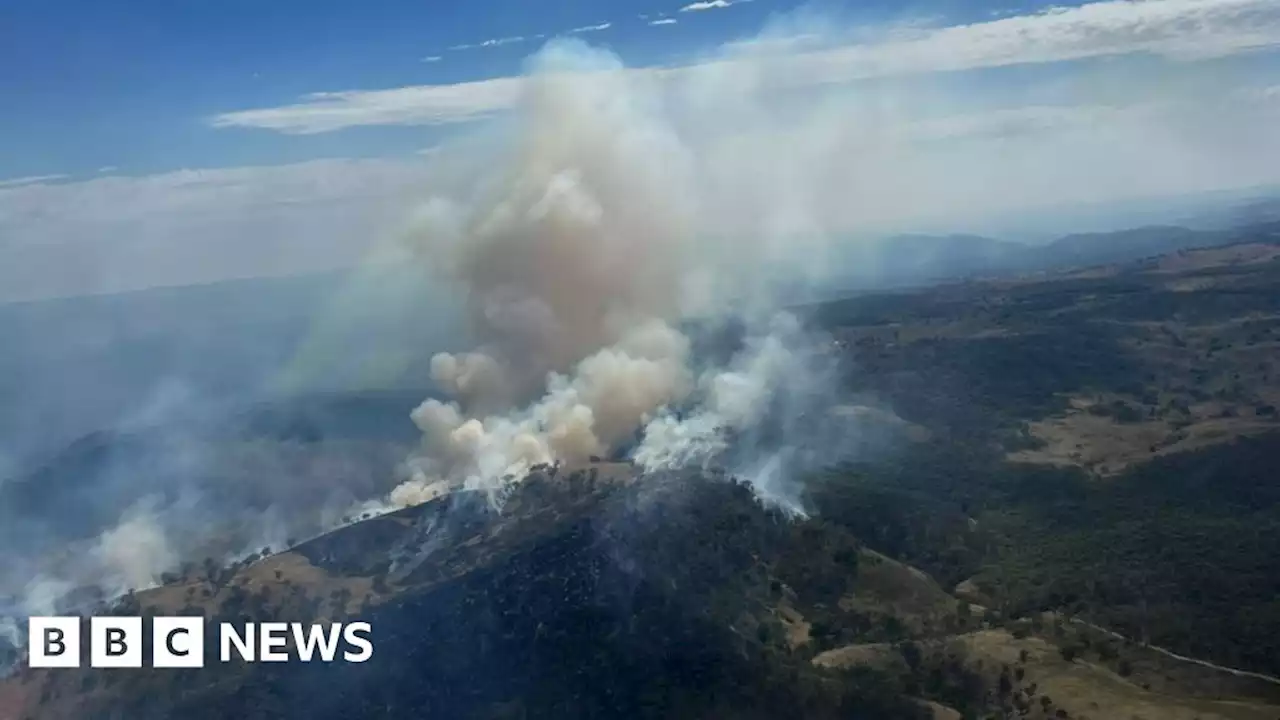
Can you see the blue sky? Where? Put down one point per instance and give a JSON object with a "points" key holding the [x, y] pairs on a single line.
{"points": [[247, 125], [131, 84]]}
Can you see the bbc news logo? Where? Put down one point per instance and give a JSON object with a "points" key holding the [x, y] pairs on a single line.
{"points": [[179, 642]]}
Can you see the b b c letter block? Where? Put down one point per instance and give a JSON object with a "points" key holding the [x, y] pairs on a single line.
{"points": [[115, 642], [53, 642]]}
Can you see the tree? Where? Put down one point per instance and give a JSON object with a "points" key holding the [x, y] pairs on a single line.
{"points": [[912, 654]]}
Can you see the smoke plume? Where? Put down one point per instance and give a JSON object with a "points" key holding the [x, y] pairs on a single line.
{"points": [[609, 219]]}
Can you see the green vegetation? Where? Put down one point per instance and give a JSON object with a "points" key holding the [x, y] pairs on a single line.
{"points": [[1182, 547], [1180, 552]]}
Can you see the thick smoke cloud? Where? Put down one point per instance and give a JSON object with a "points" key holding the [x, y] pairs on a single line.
{"points": [[578, 238], [615, 212], [586, 413]]}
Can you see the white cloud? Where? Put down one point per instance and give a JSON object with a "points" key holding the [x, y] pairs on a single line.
{"points": [[492, 42], [1178, 29], [710, 5], [30, 180], [592, 28], [432, 58], [499, 42], [417, 105], [663, 21], [495, 42], [107, 168]]}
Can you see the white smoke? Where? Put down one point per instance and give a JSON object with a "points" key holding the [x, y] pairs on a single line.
{"points": [[132, 555], [135, 553], [10, 632], [733, 400], [776, 379], [43, 594], [608, 395]]}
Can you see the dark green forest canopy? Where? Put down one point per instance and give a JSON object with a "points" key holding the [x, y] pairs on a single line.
{"points": [[1182, 550]]}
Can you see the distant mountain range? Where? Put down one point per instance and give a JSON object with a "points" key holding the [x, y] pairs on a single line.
{"points": [[918, 259]]}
